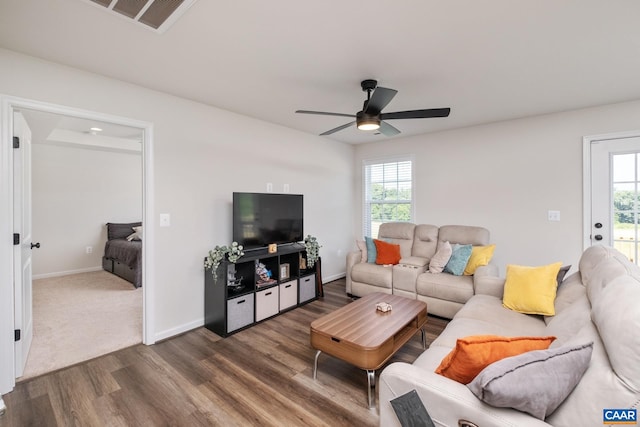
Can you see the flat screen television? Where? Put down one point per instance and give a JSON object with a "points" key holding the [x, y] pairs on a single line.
{"points": [[260, 219]]}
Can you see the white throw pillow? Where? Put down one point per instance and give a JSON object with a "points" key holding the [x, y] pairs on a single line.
{"points": [[441, 257], [362, 245], [137, 234]]}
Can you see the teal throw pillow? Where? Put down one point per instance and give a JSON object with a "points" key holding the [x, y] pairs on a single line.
{"points": [[372, 253], [459, 258]]}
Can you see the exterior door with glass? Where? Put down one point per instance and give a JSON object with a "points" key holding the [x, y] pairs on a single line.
{"points": [[614, 216]]}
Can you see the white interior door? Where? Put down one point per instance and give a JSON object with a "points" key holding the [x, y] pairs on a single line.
{"points": [[615, 194], [23, 305]]}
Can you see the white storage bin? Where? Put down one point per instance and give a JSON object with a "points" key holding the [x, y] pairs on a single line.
{"points": [[288, 294], [267, 303]]}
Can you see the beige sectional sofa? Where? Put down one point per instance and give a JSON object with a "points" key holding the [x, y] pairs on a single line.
{"points": [[599, 304], [444, 293]]}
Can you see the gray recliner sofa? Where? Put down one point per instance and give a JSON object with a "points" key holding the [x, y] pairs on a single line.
{"points": [[444, 293]]}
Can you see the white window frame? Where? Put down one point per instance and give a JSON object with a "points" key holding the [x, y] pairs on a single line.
{"points": [[366, 189]]}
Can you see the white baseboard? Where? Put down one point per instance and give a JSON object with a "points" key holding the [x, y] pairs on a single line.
{"points": [[66, 273], [163, 335], [327, 279], [179, 329]]}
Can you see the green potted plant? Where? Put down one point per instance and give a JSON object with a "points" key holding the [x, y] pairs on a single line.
{"points": [[313, 250], [215, 256]]}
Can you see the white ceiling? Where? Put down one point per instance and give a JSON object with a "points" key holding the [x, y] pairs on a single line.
{"points": [[488, 60]]}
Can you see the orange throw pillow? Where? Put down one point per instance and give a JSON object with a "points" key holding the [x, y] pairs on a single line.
{"points": [[388, 253], [472, 354]]}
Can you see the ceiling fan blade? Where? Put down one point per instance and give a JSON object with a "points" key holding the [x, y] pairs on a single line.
{"points": [[324, 113], [417, 114], [387, 130], [334, 130], [380, 97]]}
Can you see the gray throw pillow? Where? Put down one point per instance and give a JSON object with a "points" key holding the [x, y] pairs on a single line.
{"points": [[561, 273], [536, 382]]}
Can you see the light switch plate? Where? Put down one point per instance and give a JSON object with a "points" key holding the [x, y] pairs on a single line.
{"points": [[554, 215]]}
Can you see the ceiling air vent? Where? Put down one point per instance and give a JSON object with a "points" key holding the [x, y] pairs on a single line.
{"points": [[157, 15]]}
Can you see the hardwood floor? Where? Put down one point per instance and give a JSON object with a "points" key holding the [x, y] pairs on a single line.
{"points": [[261, 376]]}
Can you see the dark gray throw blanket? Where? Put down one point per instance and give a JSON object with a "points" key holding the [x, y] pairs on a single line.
{"points": [[129, 253]]}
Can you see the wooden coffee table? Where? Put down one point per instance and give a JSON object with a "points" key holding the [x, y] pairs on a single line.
{"points": [[365, 337]]}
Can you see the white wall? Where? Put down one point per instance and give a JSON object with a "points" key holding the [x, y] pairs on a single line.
{"points": [[505, 176], [201, 155], [76, 191]]}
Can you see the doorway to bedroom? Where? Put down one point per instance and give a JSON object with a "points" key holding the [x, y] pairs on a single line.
{"points": [[85, 172]]}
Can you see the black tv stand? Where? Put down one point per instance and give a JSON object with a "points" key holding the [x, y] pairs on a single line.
{"points": [[231, 306]]}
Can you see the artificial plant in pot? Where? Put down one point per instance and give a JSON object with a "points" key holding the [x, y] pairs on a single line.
{"points": [[313, 250], [215, 256]]}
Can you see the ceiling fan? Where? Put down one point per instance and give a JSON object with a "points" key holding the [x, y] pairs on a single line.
{"points": [[371, 117]]}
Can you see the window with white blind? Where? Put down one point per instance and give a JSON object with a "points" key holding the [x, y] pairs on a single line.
{"points": [[388, 193]]}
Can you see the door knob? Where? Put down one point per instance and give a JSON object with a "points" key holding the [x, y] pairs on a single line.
{"points": [[597, 225], [597, 237], [37, 245]]}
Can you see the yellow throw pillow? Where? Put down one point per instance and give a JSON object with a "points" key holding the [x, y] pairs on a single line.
{"points": [[480, 255], [531, 290]]}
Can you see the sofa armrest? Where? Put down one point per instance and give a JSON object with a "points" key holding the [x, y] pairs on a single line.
{"points": [[352, 259], [415, 261], [447, 401], [487, 282]]}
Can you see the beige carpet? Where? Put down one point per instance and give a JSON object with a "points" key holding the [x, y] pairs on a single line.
{"points": [[81, 316]]}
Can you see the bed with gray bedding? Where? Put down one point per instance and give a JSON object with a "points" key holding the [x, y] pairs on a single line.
{"points": [[123, 251]]}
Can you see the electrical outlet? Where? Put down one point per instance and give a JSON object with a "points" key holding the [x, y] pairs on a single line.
{"points": [[165, 220], [269, 187], [285, 189], [89, 249]]}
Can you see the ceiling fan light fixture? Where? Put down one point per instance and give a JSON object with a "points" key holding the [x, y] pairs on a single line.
{"points": [[370, 118], [367, 122], [369, 126]]}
